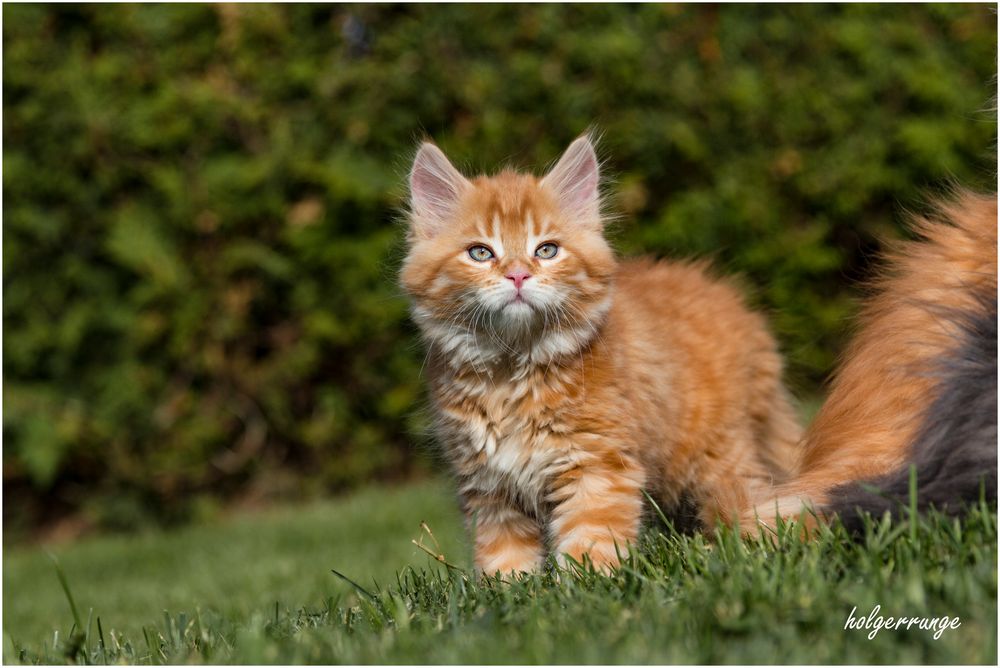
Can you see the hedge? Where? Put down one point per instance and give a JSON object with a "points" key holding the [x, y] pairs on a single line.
{"points": [[201, 207]]}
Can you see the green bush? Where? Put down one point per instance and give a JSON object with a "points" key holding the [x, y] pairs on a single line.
{"points": [[201, 205]]}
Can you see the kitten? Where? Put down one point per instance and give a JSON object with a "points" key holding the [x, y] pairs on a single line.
{"points": [[918, 385], [564, 383]]}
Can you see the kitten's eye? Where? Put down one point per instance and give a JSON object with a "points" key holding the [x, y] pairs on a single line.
{"points": [[547, 250], [480, 253]]}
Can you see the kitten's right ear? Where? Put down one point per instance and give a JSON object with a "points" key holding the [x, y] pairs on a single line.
{"points": [[435, 187]]}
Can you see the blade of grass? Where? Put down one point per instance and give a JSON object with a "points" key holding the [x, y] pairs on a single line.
{"points": [[354, 584], [437, 557], [65, 587], [153, 658], [86, 637], [656, 507], [100, 635]]}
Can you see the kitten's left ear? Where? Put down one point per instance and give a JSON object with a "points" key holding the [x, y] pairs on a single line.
{"points": [[575, 178]]}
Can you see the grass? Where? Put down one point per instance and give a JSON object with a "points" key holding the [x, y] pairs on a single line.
{"points": [[261, 589]]}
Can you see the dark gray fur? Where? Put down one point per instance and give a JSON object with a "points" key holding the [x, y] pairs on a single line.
{"points": [[955, 451]]}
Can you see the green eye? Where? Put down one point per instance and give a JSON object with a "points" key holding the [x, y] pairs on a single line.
{"points": [[547, 250], [480, 253]]}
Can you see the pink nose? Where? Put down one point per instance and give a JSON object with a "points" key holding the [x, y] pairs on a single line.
{"points": [[519, 276]]}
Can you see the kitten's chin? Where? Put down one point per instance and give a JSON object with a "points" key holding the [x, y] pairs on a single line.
{"points": [[519, 310]]}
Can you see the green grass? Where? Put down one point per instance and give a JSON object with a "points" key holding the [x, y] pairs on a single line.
{"points": [[260, 589]]}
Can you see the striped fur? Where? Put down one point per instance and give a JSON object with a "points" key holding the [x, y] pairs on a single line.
{"points": [[558, 405]]}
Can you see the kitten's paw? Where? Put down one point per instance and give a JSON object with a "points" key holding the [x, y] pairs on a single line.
{"points": [[509, 566], [794, 512], [603, 561]]}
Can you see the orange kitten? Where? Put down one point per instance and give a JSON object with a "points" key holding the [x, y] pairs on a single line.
{"points": [[564, 382]]}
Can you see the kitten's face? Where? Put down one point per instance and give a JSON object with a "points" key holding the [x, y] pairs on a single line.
{"points": [[509, 258]]}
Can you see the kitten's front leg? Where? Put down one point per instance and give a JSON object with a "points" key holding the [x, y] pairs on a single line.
{"points": [[506, 538], [597, 511]]}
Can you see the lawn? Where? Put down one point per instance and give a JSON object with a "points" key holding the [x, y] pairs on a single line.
{"points": [[260, 588]]}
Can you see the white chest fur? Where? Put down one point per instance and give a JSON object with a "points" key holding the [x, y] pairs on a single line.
{"points": [[500, 440]]}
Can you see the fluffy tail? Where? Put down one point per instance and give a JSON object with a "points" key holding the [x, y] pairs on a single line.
{"points": [[916, 387], [955, 450]]}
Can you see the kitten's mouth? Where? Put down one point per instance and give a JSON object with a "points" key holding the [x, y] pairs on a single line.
{"points": [[518, 308], [518, 301]]}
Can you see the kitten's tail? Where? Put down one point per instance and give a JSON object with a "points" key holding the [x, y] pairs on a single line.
{"points": [[917, 387], [954, 454]]}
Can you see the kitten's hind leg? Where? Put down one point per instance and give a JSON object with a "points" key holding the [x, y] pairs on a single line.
{"points": [[729, 487], [789, 503], [778, 434], [506, 538]]}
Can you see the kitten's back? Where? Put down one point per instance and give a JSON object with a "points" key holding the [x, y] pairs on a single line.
{"points": [[732, 369]]}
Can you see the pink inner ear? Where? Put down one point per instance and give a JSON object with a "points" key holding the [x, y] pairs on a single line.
{"points": [[429, 191], [576, 176], [586, 189], [434, 184]]}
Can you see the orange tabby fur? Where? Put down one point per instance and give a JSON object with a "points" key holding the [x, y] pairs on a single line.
{"points": [[611, 378], [885, 384]]}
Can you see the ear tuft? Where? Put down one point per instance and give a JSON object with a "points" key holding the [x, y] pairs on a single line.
{"points": [[435, 187], [575, 179]]}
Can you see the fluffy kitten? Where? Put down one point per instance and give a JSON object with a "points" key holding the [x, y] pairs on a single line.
{"points": [[565, 382], [917, 386]]}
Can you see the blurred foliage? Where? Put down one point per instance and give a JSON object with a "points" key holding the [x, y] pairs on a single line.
{"points": [[201, 205]]}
